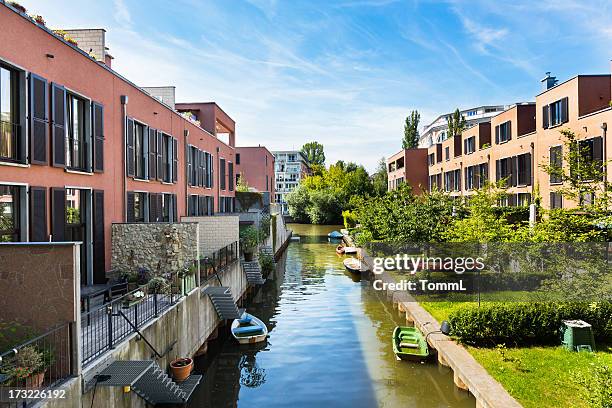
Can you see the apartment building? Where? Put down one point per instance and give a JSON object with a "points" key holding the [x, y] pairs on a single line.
{"points": [[516, 143], [406, 166], [290, 166], [255, 165], [82, 147], [437, 130]]}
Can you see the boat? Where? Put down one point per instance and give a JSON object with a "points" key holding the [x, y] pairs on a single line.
{"points": [[350, 250], [335, 235], [249, 329], [353, 265], [340, 249], [409, 344]]}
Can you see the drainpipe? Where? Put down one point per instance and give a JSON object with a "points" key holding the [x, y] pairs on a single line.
{"points": [[532, 164], [218, 179], [604, 127], [124, 102], [185, 136]]}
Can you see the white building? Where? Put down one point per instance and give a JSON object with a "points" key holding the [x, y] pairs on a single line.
{"points": [[290, 166], [437, 131]]}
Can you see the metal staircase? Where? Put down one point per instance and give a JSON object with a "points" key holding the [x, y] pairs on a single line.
{"points": [[252, 271], [223, 300], [268, 250]]}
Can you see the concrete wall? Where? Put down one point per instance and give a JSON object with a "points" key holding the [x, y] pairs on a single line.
{"points": [[156, 247], [39, 284], [164, 93], [90, 40], [215, 232]]}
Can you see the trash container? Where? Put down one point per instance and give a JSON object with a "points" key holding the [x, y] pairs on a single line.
{"points": [[577, 335]]}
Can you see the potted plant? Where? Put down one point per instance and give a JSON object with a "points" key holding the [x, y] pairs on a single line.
{"points": [[29, 367], [38, 19], [133, 298], [17, 6], [249, 238], [181, 368], [159, 284]]}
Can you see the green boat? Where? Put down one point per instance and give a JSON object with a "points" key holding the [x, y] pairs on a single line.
{"points": [[409, 344]]}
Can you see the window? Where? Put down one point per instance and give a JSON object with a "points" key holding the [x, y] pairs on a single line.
{"points": [[9, 214], [523, 169], [168, 158], [587, 198], [555, 113], [230, 176], [457, 180], [226, 204], [431, 159], [73, 207], [267, 183], [238, 158], [137, 207], [9, 114], [556, 161], [470, 177], [483, 174], [523, 199], [503, 132], [472, 113], [447, 153], [77, 135], [556, 200], [504, 169], [222, 174], [452, 180], [591, 154], [140, 133], [470, 145], [291, 157]]}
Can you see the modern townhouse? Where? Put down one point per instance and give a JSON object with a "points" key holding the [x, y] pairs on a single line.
{"points": [[406, 166], [255, 165], [82, 147], [290, 167]]}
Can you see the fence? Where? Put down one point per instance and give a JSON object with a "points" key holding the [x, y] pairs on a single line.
{"points": [[218, 260], [111, 323], [35, 366]]}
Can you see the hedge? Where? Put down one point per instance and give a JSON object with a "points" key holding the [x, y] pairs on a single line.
{"points": [[527, 323]]}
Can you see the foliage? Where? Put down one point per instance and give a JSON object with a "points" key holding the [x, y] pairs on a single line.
{"points": [[323, 208], [597, 385], [456, 123], [266, 262], [264, 226], [298, 201], [411, 130], [527, 323], [242, 186], [249, 237], [349, 219], [13, 334], [159, 284], [380, 178], [314, 153], [27, 362], [247, 199]]}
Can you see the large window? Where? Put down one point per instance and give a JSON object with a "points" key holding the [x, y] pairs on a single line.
{"points": [[470, 145], [555, 113], [503, 132], [140, 133], [77, 134], [524, 169], [9, 213], [556, 161], [222, 174], [556, 200], [9, 114]]}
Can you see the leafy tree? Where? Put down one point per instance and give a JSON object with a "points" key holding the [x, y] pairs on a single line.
{"points": [[314, 153], [456, 123], [380, 180], [242, 185], [298, 201], [411, 130]]}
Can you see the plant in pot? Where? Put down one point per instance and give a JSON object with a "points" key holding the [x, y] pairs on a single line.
{"points": [[133, 298], [17, 6], [249, 237], [159, 284], [29, 367], [38, 19], [181, 368]]}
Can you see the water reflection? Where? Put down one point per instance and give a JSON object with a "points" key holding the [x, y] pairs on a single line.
{"points": [[329, 344]]}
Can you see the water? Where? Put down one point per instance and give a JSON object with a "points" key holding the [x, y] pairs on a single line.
{"points": [[329, 344]]}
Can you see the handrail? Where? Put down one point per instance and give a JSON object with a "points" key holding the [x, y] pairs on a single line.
{"points": [[33, 340], [170, 347]]}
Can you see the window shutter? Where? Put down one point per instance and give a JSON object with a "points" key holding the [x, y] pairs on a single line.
{"points": [[230, 176], [99, 265], [154, 209], [38, 214], [130, 207], [545, 120], [145, 153], [509, 130], [39, 123], [58, 214], [174, 160], [564, 110], [152, 154], [512, 200], [58, 129], [174, 213], [497, 134], [160, 160], [528, 168], [513, 170], [201, 205], [98, 137], [129, 151], [202, 161], [190, 165], [498, 170]]}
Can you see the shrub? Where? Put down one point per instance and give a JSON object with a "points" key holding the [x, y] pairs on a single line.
{"points": [[598, 385], [249, 237], [349, 218], [264, 226], [266, 262], [527, 323]]}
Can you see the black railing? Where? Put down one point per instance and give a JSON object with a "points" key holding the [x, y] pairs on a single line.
{"points": [[8, 140], [39, 364], [218, 260], [102, 329]]}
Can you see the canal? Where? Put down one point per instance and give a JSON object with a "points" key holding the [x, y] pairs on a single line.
{"points": [[329, 344]]}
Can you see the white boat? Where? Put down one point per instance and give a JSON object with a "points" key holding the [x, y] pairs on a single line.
{"points": [[354, 265], [350, 250], [249, 329]]}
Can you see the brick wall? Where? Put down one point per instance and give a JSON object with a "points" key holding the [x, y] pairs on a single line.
{"points": [[157, 247], [215, 232]]}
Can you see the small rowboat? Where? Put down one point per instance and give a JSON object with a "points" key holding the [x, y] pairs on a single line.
{"points": [[350, 250], [249, 329], [409, 344], [335, 235], [353, 265], [340, 250]]}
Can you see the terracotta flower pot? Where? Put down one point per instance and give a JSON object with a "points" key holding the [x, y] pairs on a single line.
{"points": [[35, 380], [248, 256], [181, 369]]}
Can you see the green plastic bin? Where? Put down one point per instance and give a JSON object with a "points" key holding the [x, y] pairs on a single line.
{"points": [[577, 335]]}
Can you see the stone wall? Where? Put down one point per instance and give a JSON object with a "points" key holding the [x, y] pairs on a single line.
{"points": [[216, 231], [39, 283], [163, 247]]}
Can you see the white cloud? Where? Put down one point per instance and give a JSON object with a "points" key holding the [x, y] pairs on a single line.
{"points": [[121, 13]]}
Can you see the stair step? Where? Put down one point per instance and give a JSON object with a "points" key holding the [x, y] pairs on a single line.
{"points": [[163, 390]]}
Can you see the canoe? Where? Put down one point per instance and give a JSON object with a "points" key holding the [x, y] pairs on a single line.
{"points": [[350, 250], [249, 329], [335, 234], [339, 249], [409, 344], [353, 265]]}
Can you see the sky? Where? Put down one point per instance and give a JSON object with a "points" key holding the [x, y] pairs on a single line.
{"points": [[345, 73]]}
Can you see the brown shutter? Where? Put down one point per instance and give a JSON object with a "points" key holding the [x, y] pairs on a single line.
{"points": [[230, 176], [160, 150], [190, 166], [545, 116], [174, 160], [152, 154], [58, 214], [497, 134], [58, 129], [99, 244], [130, 207], [38, 214], [129, 151], [39, 121], [564, 110], [98, 137], [528, 168], [509, 130]]}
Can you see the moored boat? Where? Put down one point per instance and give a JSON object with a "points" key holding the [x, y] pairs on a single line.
{"points": [[353, 265], [409, 344], [350, 250], [335, 235], [340, 249], [249, 329]]}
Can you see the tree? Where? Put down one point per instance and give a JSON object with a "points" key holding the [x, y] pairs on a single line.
{"points": [[411, 130], [314, 153], [380, 179], [456, 123]]}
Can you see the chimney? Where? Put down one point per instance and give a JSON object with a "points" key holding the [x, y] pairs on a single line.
{"points": [[165, 94], [108, 60], [549, 81], [90, 40]]}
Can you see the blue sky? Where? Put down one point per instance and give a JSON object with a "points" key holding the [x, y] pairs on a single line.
{"points": [[343, 72]]}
